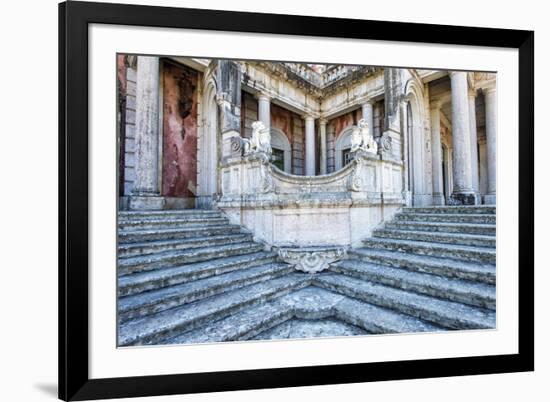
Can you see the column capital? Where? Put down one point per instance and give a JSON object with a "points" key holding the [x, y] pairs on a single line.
{"points": [[489, 90], [453, 73], [307, 116], [263, 95], [472, 93], [368, 101], [323, 121], [435, 104]]}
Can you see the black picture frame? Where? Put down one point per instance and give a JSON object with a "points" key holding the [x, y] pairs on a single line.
{"points": [[74, 381]]}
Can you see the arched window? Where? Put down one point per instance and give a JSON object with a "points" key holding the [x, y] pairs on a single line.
{"points": [[281, 156], [342, 148]]}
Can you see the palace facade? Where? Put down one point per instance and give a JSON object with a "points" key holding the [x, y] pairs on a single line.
{"points": [[270, 200]]}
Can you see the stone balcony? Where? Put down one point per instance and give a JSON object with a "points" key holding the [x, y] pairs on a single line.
{"points": [[286, 210]]}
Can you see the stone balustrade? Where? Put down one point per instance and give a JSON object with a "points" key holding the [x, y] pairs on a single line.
{"points": [[282, 209]]}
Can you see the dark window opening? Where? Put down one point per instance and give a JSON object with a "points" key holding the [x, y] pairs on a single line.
{"points": [[278, 158], [346, 156]]}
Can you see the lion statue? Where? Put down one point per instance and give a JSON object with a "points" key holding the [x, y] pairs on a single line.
{"points": [[362, 139], [260, 141]]}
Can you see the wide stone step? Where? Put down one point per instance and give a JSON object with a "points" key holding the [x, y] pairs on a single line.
{"points": [[168, 214], [477, 272], [439, 217], [300, 328], [239, 326], [158, 327], [314, 302], [310, 303], [129, 236], [445, 227], [468, 253], [171, 223], [463, 209], [156, 279], [150, 247], [467, 292], [173, 258], [437, 237], [380, 320], [440, 312], [151, 302]]}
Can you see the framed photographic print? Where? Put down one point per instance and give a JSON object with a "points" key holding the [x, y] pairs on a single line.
{"points": [[258, 201]]}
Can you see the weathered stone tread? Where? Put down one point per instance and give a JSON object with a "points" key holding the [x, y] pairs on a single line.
{"points": [[168, 323], [166, 223], [150, 280], [310, 303], [467, 292], [437, 237], [155, 246], [141, 235], [171, 258], [423, 263], [237, 326], [460, 252], [168, 213], [297, 328], [446, 227], [440, 217], [169, 297], [447, 209], [380, 320], [440, 312]]}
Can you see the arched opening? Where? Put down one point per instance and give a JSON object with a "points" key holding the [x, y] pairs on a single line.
{"points": [[342, 148], [208, 149], [281, 151]]}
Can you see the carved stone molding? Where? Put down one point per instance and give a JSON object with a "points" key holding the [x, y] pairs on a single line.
{"points": [[385, 143], [312, 259], [355, 180], [236, 146]]}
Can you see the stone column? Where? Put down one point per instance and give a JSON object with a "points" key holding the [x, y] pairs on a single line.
{"points": [[310, 145], [473, 143], [462, 165], [323, 145], [146, 193], [491, 134], [330, 149], [368, 114], [405, 153], [437, 173], [264, 113]]}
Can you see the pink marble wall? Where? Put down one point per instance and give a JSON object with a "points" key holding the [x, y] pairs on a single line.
{"points": [[341, 122], [179, 164], [282, 119]]}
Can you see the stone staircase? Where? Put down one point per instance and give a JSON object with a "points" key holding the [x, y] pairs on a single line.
{"points": [[189, 276], [436, 264]]}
